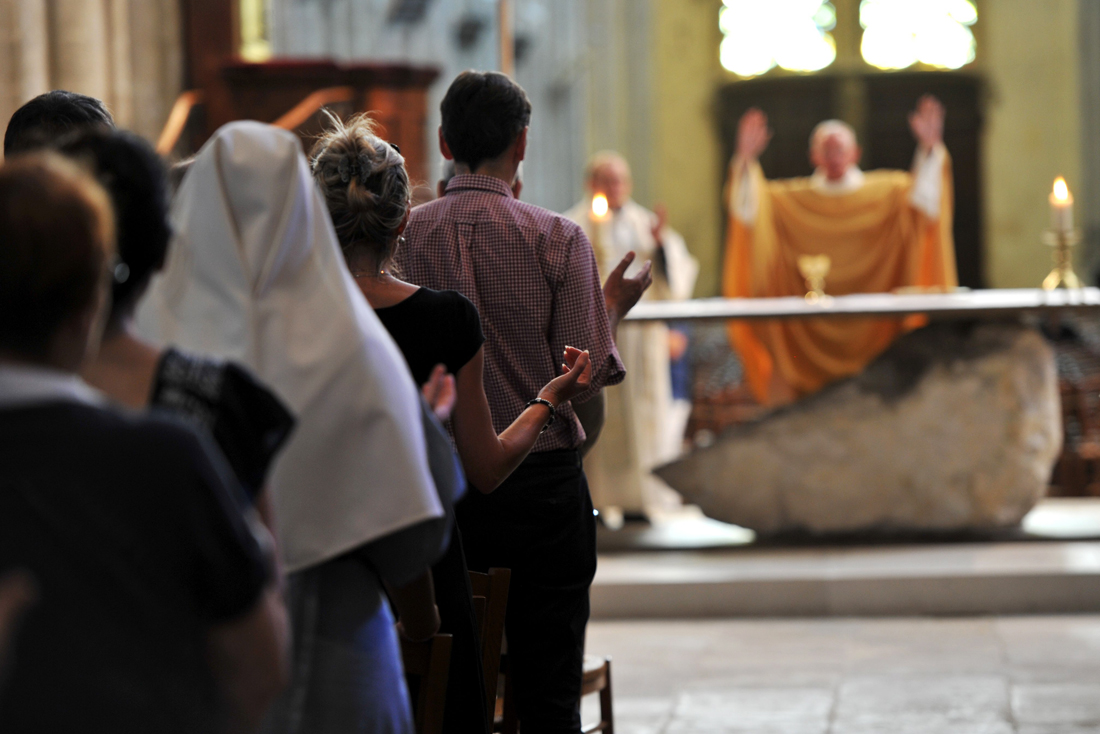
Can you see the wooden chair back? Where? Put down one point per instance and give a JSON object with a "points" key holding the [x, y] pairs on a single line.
{"points": [[597, 679], [427, 665], [493, 588]]}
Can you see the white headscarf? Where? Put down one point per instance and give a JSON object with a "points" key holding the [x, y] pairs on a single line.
{"points": [[255, 275]]}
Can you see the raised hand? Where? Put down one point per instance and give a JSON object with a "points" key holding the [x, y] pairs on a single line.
{"points": [[926, 122], [621, 293], [575, 377], [753, 134], [440, 393]]}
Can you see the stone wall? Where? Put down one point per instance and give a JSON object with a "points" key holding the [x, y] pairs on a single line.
{"points": [[125, 52]]}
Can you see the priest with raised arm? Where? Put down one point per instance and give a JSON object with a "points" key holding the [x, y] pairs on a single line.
{"points": [[881, 230]]}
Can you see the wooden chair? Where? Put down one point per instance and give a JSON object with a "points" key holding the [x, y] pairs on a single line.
{"points": [[597, 678], [491, 606], [427, 665]]}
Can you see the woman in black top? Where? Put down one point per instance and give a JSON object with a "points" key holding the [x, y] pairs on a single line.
{"points": [[365, 184], [247, 421]]}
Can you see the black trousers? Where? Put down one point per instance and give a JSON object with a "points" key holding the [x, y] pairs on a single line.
{"points": [[464, 711], [539, 523]]}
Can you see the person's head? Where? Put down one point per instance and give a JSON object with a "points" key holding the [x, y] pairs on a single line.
{"points": [[49, 117], [364, 182], [484, 121], [56, 245], [608, 173], [135, 179], [834, 149]]}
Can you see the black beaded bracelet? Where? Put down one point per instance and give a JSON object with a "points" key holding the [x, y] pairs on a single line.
{"points": [[548, 404]]}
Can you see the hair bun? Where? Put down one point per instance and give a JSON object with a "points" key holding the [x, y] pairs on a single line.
{"points": [[364, 182]]}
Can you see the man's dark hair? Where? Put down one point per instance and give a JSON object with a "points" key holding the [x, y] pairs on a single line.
{"points": [[483, 113], [137, 182], [51, 116], [56, 236]]}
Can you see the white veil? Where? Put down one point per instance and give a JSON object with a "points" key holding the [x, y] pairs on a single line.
{"points": [[255, 275]]}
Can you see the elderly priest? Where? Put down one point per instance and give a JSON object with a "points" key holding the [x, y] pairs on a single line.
{"points": [[881, 230], [644, 426]]}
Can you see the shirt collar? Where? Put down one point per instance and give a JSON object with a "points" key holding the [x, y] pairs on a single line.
{"points": [[23, 384], [480, 182], [849, 182]]}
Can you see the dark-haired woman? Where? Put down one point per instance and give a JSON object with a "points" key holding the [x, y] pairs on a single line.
{"points": [[366, 186], [248, 422]]}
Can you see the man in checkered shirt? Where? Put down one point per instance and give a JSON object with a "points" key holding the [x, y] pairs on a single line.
{"points": [[532, 275]]}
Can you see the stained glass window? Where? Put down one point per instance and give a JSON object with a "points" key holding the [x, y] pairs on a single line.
{"points": [[791, 34], [899, 33]]}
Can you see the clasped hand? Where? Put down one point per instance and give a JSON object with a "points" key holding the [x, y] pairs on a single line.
{"points": [[575, 377]]}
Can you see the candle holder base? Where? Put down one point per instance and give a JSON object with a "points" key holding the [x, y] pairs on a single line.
{"points": [[1062, 276]]}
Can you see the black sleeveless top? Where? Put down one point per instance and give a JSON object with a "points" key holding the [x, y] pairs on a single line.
{"points": [[434, 327], [247, 421]]}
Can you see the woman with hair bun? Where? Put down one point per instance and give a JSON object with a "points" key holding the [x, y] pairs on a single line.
{"points": [[366, 186]]}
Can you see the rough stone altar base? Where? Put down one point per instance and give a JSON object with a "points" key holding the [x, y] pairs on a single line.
{"points": [[956, 426]]}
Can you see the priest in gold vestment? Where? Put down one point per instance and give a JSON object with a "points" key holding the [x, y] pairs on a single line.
{"points": [[643, 426], [882, 230]]}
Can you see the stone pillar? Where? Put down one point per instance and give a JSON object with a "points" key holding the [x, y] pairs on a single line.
{"points": [[119, 47], [24, 54], [155, 73], [620, 106], [126, 52], [1088, 28], [79, 56]]}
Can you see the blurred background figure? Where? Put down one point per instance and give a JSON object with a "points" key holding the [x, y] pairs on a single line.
{"points": [[644, 425]]}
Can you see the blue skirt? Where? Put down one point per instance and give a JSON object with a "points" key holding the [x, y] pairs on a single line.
{"points": [[347, 676]]}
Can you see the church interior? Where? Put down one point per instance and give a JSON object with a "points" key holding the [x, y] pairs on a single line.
{"points": [[851, 480]]}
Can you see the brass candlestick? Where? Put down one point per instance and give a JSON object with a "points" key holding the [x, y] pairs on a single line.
{"points": [[1062, 276], [814, 268]]}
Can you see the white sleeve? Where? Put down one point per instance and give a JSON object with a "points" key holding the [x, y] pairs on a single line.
{"points": [[745, 201], [683, 269], [928, 181]]}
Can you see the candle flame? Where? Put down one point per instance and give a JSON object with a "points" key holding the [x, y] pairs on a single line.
{"points": [[599, 205], [1061, 191]]}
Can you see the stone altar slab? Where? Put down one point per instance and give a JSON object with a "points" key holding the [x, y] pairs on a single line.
{"points": [[955, 426], [959, 304]]}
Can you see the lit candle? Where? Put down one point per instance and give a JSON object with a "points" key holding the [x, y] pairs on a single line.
{"points": [[599, 206], [1061, 206]]}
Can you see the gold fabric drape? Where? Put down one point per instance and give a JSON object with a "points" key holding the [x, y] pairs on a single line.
{"points": [[877, 241]]}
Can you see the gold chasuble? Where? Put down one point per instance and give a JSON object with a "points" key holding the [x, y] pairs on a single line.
{"points": [[878, 241]]}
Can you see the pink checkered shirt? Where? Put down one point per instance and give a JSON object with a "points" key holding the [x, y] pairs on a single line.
{"points": [[532, 275]]}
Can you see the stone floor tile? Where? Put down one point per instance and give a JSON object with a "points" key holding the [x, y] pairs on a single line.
{"points": [[754, 710], [922, 726], [946, 703], [881, 676], [1057, 703], [1037, 646], [632, 715]]}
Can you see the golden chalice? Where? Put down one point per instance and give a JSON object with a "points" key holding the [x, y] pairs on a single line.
{"points": [[814, 268]]}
